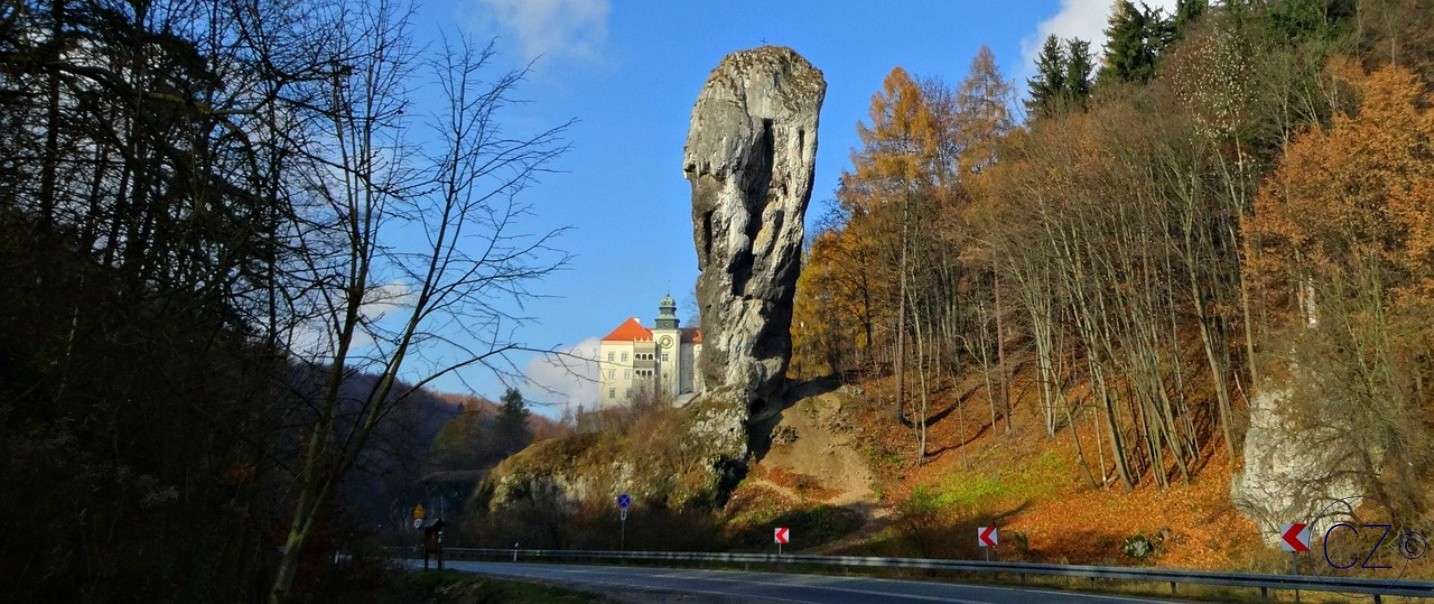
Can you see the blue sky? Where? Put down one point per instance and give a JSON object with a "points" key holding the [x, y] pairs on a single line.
{"points": [[629, 71]]}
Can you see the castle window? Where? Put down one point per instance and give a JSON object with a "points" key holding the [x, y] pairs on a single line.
{"points": [[611, 356], [624, 357], [612, 392], [626, 373], [664, 357]]}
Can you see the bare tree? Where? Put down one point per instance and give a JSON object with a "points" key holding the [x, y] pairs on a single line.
{"points": [[373, 192]]}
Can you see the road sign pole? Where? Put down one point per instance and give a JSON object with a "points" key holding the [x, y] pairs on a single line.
{"points": [[1295, 570], [623, 502]]}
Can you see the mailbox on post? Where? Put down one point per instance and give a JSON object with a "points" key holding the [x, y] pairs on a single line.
{"points": [[433, 541]]}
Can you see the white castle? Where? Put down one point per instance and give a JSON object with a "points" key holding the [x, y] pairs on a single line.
{"points": [[633, 358]]}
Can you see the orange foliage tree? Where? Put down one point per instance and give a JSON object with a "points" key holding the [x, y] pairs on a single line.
{"points": [[1346, 225], [1355, 196]]}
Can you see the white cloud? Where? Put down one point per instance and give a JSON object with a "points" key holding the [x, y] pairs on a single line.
{"points": [[567, 378], [1084, 19], [315, 338], [552, 29], [387, 297]]}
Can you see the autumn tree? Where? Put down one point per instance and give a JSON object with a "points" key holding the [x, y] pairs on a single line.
{"points": [[1346, 223], [459, 444], [831, 320], [896, 169]]}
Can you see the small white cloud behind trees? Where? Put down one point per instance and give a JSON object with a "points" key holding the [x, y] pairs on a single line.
{"points": [[568, 377]]}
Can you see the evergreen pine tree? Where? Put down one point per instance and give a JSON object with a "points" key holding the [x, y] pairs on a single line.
{"points": [[1049, 81], [1186, 12], [1078, 71], [1132, 42], [511, 425]]}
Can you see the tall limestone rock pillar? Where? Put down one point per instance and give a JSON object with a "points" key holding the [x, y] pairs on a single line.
{"points": [[751, 150], [749, 157]]}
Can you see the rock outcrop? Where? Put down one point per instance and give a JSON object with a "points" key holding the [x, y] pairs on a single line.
{"points": [[749, 157], [751, 149], [690, 457], [1292, 471]]}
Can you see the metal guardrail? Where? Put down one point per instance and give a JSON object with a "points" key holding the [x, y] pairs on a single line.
{"points": [[1263, 582]]}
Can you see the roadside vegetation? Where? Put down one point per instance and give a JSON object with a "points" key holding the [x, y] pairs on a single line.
{"points": [[452, 587]]}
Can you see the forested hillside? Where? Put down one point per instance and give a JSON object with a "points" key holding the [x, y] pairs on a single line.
{"points": [[1227, 221]]}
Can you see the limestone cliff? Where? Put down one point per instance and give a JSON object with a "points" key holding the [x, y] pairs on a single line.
{"points": [[1295, 469], [751, 150], [750, 153], [670, 458]]}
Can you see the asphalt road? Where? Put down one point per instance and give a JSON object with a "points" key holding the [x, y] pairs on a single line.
{"points": [[651, 584]]}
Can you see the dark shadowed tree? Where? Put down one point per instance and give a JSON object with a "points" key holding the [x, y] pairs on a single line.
{"points": [[511, 425]]}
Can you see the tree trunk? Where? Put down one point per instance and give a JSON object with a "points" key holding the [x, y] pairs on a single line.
{"points": [[50, 166], [899, 364], [1001, 352]]}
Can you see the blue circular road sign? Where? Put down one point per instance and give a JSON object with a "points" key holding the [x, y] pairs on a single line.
{"points": [[623, 501]]}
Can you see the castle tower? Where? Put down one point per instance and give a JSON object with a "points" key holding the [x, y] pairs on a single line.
{"points": [[668, 338]]}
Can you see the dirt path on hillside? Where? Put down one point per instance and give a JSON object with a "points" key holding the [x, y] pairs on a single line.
{"points": [[815, 454]]}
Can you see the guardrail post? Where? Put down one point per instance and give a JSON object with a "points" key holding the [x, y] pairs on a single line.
{"points": [[1172, 587], [1264, 593]]}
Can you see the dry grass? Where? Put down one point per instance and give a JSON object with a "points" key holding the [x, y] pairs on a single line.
{"points": [[1034, 485]]}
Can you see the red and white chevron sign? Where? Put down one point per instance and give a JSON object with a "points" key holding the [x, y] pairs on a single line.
{"points": [[987, 536], [1295, 537], [782, 535]]}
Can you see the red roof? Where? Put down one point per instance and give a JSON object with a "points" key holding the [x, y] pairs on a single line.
{"points": [[630, 331], [692, 334]]}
